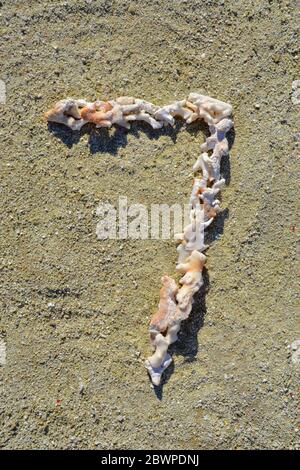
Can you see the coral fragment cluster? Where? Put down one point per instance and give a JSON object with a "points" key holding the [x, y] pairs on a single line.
{"points": [[176, 301]]}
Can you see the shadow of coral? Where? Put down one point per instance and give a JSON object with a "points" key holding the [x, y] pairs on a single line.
{"points": [[111, 140], [225, 162]]}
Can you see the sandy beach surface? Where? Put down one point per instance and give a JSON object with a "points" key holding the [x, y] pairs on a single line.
{"points": [[74, 309]]}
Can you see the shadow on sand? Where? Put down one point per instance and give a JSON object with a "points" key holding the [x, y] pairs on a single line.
{"points": [[111, 140]]}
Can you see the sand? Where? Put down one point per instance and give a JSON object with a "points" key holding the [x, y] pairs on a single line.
{"points": [[74, 309]]}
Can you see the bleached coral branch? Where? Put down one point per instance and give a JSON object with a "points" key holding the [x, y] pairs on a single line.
{"points": [[166, 322], [175, 301]]}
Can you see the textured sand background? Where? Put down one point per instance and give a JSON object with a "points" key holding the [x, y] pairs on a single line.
{"points": [[75, 310]]}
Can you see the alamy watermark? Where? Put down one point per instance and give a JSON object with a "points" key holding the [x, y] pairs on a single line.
{"points": [[2, 92], [140, 222], [296, 92], [2, 352]]}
